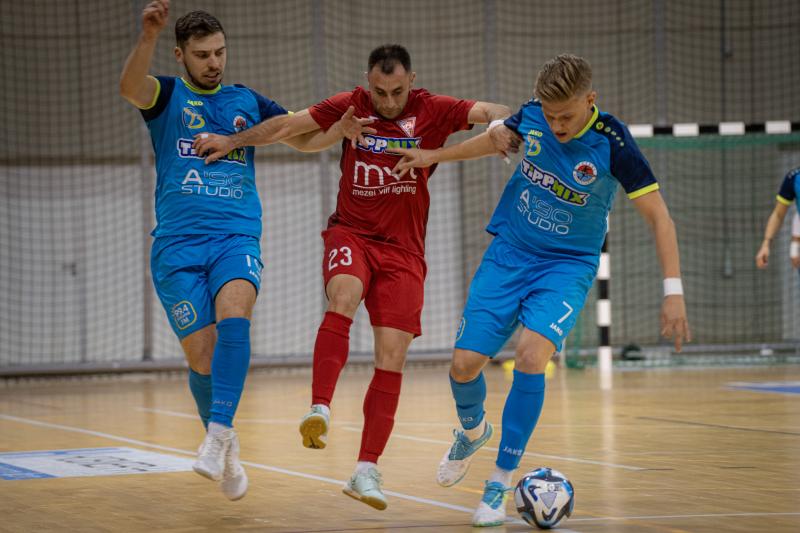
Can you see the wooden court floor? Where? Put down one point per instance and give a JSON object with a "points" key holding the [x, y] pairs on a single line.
{"points": [[664, 451]]}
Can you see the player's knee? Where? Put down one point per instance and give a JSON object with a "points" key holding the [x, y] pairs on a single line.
{"points": [[342, 301], [531, 360], [200, 360], [463, 369]]}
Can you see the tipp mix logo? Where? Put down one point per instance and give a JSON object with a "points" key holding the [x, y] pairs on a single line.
{"points": [[550, 182]]}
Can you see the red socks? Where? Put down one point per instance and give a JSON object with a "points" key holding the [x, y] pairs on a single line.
{"points": [[380, 405], [330, 355]]}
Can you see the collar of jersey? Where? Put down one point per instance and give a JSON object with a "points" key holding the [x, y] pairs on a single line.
{"points": [[588, 124], [201, 91]]}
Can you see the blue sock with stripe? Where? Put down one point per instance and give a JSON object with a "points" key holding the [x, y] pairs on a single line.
{"points": [[229, 368], [469, 399], [200, 385], [520, 414]]}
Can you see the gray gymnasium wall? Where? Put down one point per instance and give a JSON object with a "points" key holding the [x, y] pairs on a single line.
{"points": [[77, 168]]}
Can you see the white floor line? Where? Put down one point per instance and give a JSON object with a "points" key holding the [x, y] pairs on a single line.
{"points": [[673, 516], [248, 463], [529, 454]]}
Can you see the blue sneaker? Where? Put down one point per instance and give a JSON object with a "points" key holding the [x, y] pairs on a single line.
{"points": [[455, 463], [492, 509]]}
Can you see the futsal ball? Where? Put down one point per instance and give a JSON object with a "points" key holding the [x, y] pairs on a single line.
{"points": [[544, 497]]}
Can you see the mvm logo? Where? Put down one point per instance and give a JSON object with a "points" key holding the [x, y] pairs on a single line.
{"points": [[379, 145], [237, 155], [551, 183]]}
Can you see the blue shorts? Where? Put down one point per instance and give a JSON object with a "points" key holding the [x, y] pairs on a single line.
{"points": [[514, 286], [189, 270]]}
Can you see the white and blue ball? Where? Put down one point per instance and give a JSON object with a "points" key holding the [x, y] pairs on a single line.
{"points": [[544, 497]]}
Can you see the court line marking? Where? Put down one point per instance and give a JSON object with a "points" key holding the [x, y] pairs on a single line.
{"points": [[391, 493], [718, 426], [269, 468], [671, 516], [529, 454]]}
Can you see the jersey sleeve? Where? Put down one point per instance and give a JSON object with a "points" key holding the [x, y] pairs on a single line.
{"points": [[164, 88], [629, 165], [452, 114], [515, 120], [787, 195], [329, 111], [266, 107]]}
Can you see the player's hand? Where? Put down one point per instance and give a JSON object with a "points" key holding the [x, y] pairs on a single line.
{"points": [[505, 140], [354, 128], [795, 262], [762, 257], [673, 320], [212, 146], [154, 17], [412, 158]]}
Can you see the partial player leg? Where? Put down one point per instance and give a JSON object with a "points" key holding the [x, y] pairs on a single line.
{"points": [[199, 349], [520, 414], [380, 406], [331, 349], [469, 392]]}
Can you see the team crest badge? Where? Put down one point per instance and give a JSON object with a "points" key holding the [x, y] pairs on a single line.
{"points": [[584, 172], [239, 123], [192, 119], [407, 125]]}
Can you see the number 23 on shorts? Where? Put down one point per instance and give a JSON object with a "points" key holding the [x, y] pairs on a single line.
{"points": [[340, 256]]}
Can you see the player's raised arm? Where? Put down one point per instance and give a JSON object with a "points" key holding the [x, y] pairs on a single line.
{"points": [[134, 83], [673, 310], [474, 148], [505, 140], [349, 126], [773, 225]]}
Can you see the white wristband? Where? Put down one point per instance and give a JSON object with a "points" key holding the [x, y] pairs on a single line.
{"points": [[493, 124], [672, 286], [794, 249]]}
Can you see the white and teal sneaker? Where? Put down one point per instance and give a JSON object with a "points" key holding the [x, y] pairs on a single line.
{"points": [[366, 487], [492, 509], [234, 478], [314, 427], [455, 463]]}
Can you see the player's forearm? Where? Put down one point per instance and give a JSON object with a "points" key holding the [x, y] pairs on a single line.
{"points": [[137, 66], [473, 148], [276, 129], [486, 112], [773, 226], [315, 141], [666, 238]]}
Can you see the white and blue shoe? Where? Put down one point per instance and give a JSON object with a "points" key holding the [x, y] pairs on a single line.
{"points": [[455, 463], [492, 509]]}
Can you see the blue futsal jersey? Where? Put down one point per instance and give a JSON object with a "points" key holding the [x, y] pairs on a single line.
{"points": [[790, 188], [191, 197], [557, 201]]}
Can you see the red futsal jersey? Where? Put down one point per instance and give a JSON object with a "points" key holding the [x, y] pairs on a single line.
{"points": [[372, 203]]}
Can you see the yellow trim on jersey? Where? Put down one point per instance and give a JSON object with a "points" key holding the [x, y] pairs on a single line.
{"points": [[201, 91], [155, 96], [783, 200], [590, 123], [644, 190]]}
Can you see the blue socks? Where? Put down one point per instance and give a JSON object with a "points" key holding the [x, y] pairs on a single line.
{"points": [[200, 385], [229, 368], [520, 414], [469, 400]]}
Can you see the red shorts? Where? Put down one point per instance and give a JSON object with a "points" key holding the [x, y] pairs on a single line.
{"points": [[394, 280]]}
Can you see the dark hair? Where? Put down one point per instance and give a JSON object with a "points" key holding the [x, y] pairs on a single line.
{"points": [[387, 56], [196, 24]]}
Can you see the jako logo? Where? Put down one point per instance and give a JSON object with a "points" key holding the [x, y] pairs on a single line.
{"points": [[551, 183]]}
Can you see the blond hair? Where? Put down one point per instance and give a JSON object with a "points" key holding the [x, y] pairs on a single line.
{"points": [[563, 77]]}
